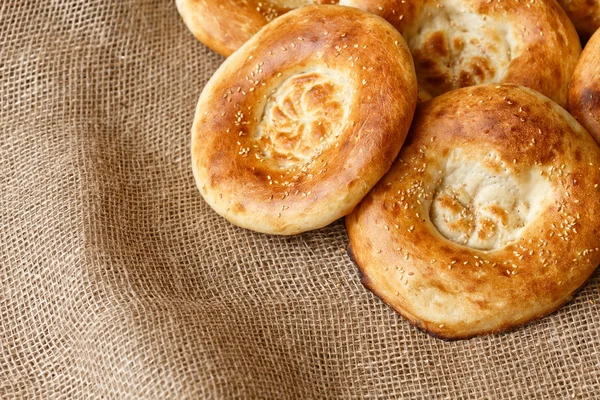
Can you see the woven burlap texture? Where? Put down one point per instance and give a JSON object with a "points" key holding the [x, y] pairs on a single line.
{"points": [[118, 281]]}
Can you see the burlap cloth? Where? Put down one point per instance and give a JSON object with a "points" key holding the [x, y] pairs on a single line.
{"points": [[118, 281]]}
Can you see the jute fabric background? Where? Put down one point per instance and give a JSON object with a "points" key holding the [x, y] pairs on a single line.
{"points": [[118, 281]]}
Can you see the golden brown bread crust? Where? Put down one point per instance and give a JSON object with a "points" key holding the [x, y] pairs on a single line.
{"points": [[585, 15], [455, 43], [488, 219], [224, 25], [584, 89], [458, 43], [298, 125]]}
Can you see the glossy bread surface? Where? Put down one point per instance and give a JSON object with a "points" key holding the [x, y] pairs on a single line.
{"points": [[225, 25], [298, 125], [584, 89], [488, 219], [459, 43]]}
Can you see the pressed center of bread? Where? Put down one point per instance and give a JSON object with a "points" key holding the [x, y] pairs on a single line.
{"points": [[484, 205], [454, 48], [302, 117]]}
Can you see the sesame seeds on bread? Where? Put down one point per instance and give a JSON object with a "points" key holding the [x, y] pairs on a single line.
{"points": [[488, 219], [302, 121]]}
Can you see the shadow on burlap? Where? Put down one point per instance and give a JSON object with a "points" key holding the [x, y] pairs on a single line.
{"points": [[118, 281]]}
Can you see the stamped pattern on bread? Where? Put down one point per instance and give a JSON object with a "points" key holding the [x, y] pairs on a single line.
{"points": [[455, 43], [459, 43], [454, 48], [501, 155], [302, 117], [298, 125], [481, 204]]}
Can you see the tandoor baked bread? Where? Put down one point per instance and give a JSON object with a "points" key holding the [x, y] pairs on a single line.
{"points": [[224, 25], [455, 43], [585, 15], [298, 125], [584, 90], [458, 43], [488, 219]]}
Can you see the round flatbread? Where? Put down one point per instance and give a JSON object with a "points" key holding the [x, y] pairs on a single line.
{"points": [[459, 43], [488, 219], [300, 123]]}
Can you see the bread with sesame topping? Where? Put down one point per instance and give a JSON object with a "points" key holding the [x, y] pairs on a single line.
{"points": [[224, 25], [488, 218], [295, 128], [584, 89], [459, 43]]}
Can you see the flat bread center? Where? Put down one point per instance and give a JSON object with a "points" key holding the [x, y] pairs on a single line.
{"points": [[454, 48], [483, 205], [302, 117]]}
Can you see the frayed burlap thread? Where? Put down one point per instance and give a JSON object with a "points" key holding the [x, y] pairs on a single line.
{"points": [[118, 281]]}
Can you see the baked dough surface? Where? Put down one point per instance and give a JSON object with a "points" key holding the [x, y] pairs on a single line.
{"points": [[585, 15], [459, 43], [488, 219], [298, 125], [225, 25], [454, 43], [584, 89]]}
